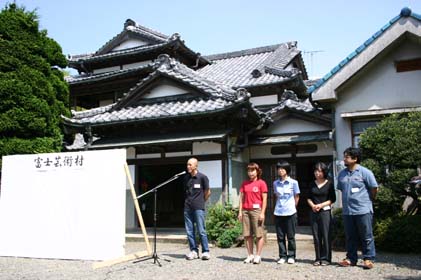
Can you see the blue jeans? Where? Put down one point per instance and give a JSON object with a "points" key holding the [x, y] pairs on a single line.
{"points": [[192, 218], [358, 228]]}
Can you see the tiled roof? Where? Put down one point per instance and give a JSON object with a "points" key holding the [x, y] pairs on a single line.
{"points": [[303, 106], [405, 12], [253, 67], [149, 111], [169, 67], [173, 41], [130, 26], [98, 77], [131, 108], [139, 49], [291, 104]]}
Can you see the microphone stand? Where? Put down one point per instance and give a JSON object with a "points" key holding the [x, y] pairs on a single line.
{"points": [[155, 216]]}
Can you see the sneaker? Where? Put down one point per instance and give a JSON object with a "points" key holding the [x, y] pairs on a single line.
{"points": [[291, 260], [249, 259], [316, 263], [324, 263], [281, 261], [346, 263], [257, 260], [192, 255], [368, 264], [205, 256]]}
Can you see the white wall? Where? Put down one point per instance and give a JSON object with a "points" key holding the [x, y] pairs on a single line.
{"points": [[263, 152], [136, 64], [131, 43], [378, 86], [164, 90], [213, 170], [264, 100], [107, 69], [292, 125], [206, 148]]}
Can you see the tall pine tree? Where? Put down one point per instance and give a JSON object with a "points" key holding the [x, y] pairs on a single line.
{"points": [[33, 93]]}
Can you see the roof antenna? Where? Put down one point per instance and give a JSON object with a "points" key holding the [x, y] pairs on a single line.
{"points": [[311, 54]]}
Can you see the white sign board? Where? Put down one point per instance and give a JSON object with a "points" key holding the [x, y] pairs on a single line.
{"points": [[63, 205]]}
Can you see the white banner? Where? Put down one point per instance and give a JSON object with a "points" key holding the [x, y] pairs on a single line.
{"points": [[63, 205]]}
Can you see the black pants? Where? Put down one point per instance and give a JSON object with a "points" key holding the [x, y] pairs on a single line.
{"points": [[285, 229], [321, 226]]}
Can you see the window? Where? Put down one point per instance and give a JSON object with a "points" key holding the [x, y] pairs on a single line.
{"points": [[358, 127]]}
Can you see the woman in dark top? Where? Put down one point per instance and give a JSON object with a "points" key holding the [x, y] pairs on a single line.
{"points": [[322, 196]]}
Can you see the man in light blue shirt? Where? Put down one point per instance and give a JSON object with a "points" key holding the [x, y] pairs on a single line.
{"points": [[359, 188], [287, 193]]}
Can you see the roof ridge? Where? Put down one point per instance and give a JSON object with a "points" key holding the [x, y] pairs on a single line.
{"points": [[150, 30], [78, 78], [167, 62], [276, 62], [128, 26], [244, 52]]}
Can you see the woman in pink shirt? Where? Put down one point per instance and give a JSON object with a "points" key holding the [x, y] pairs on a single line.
{"points": [[253, 201]]}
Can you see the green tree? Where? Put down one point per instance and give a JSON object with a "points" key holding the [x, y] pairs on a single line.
{"points": [[393, 152], [33, 93]]}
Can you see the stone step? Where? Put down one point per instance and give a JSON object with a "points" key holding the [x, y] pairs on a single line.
{"points": [[178, 235]]}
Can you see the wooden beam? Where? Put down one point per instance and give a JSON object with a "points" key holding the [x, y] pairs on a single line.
{"points": [[125, 258]]}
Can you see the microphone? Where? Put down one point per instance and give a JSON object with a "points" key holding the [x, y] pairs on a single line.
{"points": [[179, 174]]}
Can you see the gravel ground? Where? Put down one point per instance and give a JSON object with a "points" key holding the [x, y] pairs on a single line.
{"points": [[225, 263]]}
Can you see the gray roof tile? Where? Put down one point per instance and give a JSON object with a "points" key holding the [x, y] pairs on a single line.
{"points": [[217, 97], [149, 111], [130, 26], [253, 67], [139, 49], [97, 77]]}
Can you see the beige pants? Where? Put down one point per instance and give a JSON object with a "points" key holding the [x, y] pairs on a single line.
{"points": [[251, 224]]}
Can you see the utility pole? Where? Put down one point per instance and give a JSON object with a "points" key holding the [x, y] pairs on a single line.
{"points": [[311, 55]]}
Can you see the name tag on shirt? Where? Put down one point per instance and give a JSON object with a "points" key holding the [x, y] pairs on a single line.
{"points": [[354, 190], [256, 206], [327, 207], [196, 186]]}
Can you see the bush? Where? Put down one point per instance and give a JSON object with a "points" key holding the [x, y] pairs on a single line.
{"points": [[338, 232], [222, 225], [386, 204], [400, 234]]}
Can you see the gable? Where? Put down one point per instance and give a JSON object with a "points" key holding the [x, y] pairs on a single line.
{"points": [[381, 85], [326, 89], [133, 35]]}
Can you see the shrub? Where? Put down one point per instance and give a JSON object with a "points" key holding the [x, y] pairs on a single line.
{"points": [[400, 234], [222, 225], [338, 232]]}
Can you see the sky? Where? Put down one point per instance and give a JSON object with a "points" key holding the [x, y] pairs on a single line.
{"points": [[326, 30]]}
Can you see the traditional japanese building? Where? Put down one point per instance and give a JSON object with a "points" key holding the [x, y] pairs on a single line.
{"points": [[151, 94]]}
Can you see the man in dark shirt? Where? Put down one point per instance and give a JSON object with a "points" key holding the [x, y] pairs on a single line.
{"points": [[197, 192]]}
